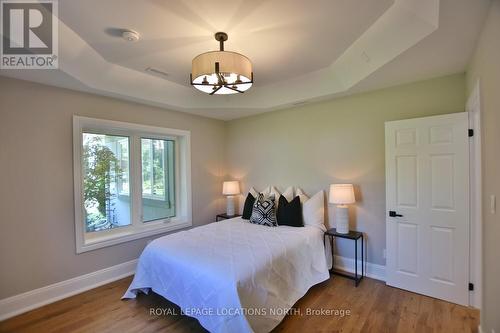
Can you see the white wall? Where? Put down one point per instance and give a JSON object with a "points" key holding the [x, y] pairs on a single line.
{"points": [[37, 236]]}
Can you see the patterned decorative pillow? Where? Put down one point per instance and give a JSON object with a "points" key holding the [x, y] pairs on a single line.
{"points": [[264, 211]]}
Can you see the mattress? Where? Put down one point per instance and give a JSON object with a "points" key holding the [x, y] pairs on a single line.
{"points": [[233, 276]]}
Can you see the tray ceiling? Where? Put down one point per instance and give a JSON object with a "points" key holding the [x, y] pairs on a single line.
{"points": [[301, 51]]}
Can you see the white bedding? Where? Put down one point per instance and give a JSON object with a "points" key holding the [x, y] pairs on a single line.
{"points": [[233, 276]]}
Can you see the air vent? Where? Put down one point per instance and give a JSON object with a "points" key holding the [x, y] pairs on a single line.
{"points": [[157, 72]]}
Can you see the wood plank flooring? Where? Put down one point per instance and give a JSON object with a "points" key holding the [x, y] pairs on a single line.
{"points": [[373, 306]]}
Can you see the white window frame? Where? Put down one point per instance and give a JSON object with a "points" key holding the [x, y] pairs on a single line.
{"points": [[155, 196], [88, 241], [120, 189]]}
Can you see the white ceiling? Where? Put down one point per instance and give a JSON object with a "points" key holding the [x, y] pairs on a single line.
{"points": [[301, 51], [283, 40]]}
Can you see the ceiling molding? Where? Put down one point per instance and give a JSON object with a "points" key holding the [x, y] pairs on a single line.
{"points": [[400, 28], [404, 24]]}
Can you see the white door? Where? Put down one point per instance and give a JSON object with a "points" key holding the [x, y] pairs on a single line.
{"points": [[427, 183]]}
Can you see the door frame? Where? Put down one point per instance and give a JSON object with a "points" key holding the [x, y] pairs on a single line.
{"points": [[473, 107]]}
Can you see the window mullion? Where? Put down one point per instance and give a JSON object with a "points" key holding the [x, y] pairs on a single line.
{"points": [[136, 180], [166, 185], [151, 167]]}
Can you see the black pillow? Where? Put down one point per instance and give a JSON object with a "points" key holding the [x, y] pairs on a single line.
{"points": [[247, 209], [290, 213]]}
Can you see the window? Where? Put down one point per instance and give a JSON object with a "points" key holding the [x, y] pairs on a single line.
{"points": [[104, 167], [131, 181], [158, 199]]}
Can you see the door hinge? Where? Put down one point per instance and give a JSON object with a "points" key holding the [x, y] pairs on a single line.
{"points": [[471, 286], [471, 132]]}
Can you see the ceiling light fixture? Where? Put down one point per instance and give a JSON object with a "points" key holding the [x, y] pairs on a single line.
{"points": [[221, 72]]}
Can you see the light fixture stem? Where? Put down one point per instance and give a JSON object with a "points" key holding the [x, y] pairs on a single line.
{"points": [[221, 37]]}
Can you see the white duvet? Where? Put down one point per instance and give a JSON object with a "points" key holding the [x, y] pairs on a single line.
{"points": [[233, 276]]}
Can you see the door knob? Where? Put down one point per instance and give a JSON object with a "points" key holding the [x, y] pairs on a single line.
{"points": [[394, 214]]}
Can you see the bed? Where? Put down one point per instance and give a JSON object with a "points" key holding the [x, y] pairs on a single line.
{"points": [[233, 276]]}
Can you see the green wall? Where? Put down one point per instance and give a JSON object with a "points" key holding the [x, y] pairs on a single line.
{"points": [[337, 141], [485, 67]]}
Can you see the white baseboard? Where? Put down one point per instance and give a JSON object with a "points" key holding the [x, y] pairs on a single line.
{"points": [[480, 330], [15, 305], [12, 306], [373, 271]]}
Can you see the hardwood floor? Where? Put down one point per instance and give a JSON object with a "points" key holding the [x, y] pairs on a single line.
{"points": [[373, 307]]}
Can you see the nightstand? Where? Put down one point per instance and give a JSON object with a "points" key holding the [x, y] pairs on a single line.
{"points": [[224, 216], [353, 235]]}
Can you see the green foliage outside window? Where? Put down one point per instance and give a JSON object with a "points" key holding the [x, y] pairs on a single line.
{"points": [[101, 169]]}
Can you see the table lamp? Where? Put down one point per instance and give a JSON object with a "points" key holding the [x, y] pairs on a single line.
{"points": [[342, 195], [230, 189]]}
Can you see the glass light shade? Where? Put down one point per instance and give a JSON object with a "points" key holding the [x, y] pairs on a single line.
{"points": [[342, 194], [234, 67], [231, 188]]}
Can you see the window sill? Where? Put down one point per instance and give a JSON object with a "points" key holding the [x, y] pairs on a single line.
{"points": [[130, 234]]}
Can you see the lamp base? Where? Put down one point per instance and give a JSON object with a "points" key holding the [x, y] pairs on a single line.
{"points": [[230, 211], [342, 219]]}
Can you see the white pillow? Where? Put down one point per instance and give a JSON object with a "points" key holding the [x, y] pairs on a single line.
{"points": [[253, 192], [276, 193], [303, 197], [288, 194], [266, 191], [313, 209], [271, 190]]}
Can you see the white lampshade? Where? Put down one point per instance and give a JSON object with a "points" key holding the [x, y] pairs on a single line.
{"points": [[231, 188], [221, 72], [234, 66], [342, 194]]}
